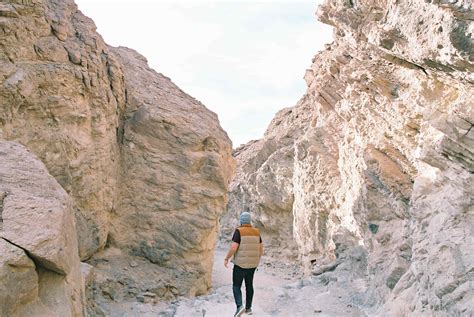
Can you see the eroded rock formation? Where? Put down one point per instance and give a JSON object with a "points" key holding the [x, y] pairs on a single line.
{"points": [[174, 171], [370, 175], [40, 271], [145, 165]]}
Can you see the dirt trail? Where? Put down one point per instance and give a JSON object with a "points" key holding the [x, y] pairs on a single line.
{"points": [[279, 291]]}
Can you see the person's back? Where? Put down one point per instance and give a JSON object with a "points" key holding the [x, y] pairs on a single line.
{"points": [[246, 249], [248, 253]]}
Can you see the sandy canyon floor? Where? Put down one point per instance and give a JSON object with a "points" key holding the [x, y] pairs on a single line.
{"points": [[280, 290]]}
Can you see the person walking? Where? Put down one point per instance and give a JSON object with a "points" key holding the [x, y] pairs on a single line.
{"points": [[246, 249]]}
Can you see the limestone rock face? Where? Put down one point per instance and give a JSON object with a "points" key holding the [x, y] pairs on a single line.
{"points": [[175, 149], [60, 96], [175, 169], [373, 167], [263, 185], [145, 165], [38, 242]]}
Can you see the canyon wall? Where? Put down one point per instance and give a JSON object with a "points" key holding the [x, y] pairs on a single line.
{"points": [[145, 166], [370, 175], [40, 271]]}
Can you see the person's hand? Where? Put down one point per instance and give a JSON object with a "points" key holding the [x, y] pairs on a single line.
{"points": [[226, 262]]}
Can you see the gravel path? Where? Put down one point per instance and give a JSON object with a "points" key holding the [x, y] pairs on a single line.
{"points": [[280, 290]]}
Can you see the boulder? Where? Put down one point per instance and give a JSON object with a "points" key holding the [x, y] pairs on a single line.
{"points": [[39, 260]]}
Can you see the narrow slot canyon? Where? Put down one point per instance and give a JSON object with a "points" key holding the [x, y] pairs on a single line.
{"points": [[120, 193]]}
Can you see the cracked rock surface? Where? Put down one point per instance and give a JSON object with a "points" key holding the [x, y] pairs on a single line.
{"points": [[39, 264], [145, 165], [367, 182], [377, 156]]}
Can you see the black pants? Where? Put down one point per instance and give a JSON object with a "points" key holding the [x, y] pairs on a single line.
{"points": [[238, 275]]}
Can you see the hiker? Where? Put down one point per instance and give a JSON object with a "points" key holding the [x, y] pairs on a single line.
{"points": [[247, 248]]}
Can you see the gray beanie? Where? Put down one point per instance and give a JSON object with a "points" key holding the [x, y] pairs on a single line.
{"points": [[245, 218]]}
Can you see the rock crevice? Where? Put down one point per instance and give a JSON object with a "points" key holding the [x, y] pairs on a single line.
{"points": [[38, 241], [3, 195]]}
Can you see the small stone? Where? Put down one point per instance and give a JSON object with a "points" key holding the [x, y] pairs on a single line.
{"points": [[74, 56], [133, 264], [60, 31]]}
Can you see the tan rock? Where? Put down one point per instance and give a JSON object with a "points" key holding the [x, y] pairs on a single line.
{"points": [[49, 48], [379, 156], [176, 165], [145, 165], [73, 103], [38, 239], [39, 225], [15, 266]]}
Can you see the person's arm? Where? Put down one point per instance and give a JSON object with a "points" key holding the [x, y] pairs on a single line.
{"points": [[261, 248], [233, 248]]}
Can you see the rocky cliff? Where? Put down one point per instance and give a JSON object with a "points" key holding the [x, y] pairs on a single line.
{"points": [[40, 271], [370, 175], [144, 165]]}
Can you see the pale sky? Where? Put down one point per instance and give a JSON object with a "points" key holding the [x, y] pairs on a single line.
{"points": [[243, 60]]}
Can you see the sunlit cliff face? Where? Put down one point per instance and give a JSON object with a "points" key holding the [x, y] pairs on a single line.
{"points": [[144, 166], [373, 167]]}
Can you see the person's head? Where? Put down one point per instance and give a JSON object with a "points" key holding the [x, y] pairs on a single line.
{"points": [[245, 218]]}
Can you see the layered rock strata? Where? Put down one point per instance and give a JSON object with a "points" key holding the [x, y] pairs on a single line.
{"points": [[371, 173], [145, 165]]}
